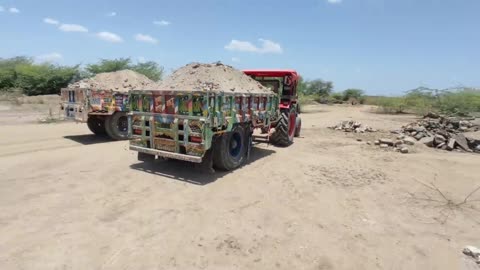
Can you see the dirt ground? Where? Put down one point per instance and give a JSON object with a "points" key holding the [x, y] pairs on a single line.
{"points": [[70, 200]]}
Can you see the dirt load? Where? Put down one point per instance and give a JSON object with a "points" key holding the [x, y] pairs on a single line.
{"points": [[121, 81], [215, 77]]}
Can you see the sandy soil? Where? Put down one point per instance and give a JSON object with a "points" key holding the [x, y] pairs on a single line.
{"points": [[70, 200]]}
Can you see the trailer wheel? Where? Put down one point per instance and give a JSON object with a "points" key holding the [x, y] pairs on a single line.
{"points": [[298, 126], [285, 129], [230, 149], [116, 126], [96, 125]]}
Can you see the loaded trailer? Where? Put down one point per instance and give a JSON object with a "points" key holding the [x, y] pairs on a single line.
{"points": [[213, 127], [104, 111]]}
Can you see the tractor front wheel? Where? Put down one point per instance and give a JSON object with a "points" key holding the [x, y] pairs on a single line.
{"points": [[285, 129]]}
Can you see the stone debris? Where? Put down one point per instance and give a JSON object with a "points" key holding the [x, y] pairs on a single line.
{"points": [[215, 77], [353, 126], [473, 252], [441, 132], [121, 81]]}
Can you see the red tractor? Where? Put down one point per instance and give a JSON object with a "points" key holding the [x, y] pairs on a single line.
{"points": [[284, 83]]}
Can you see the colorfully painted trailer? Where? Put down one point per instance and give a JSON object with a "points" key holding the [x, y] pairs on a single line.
{"points": [[185, 125], [104, 111], [214, 127]]}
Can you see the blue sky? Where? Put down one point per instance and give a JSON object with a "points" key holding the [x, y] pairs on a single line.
{"points": [[381, 46]]}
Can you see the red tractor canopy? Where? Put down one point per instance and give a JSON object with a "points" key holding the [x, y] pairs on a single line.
{"points": [[288, 83]]}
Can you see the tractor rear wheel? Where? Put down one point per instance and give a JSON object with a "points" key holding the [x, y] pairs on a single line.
{"points": [[230, 149], [96, 125], [285, 129], [116, 126]]}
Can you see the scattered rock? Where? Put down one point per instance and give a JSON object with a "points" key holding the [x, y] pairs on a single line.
{"points": [[409, 140], [384, 145], [388, 142], [376, 142], [451, 144], [359, 140], [473, 252], [404, 150], [461, 141], [428, 141], [369, 142], [439, 139]]}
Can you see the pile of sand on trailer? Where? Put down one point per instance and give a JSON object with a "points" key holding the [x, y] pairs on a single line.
{"points": [[121, 81], [215, 77]]}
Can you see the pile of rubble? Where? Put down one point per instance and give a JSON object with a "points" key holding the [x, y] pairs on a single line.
{"points": [[442, 133], [353, 126]]}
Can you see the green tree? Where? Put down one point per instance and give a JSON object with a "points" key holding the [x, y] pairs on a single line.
{"points": [[150, 69], [42, 79], [352, 94], [319, 87], [106, 65], [8, 75]]}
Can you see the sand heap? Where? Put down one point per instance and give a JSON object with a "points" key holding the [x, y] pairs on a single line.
{"points": [[122, 81], [215, 77]]}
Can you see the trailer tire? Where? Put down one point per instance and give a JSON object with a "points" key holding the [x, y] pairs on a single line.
{"points": [[298, 126], [96, 125], [116, 126], [285, 129], [229, 150]]}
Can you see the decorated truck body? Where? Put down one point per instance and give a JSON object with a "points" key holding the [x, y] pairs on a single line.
{"points": [[213, 127], [104, 111]]}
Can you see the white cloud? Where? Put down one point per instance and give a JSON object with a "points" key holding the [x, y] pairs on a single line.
{"points": [[112, 14], [110, 37], [235, 59], [50, 21], [146, 38], [13, 10], [162, 23], [267, 46], [334, 1], [72, 28], [2, 9], [49, 57]]}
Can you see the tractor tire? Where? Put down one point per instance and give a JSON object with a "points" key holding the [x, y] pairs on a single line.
{"points": [[284, 130], [96, 125], [298, 126], [229, 150], [116, 126]]}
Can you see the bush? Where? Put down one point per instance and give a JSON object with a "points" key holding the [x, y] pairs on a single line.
{"points": [[391, 104], [43, 79], [462, 102], [337, 97]]}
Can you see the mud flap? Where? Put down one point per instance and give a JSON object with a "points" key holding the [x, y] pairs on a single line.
{"points": [[207, 162]]}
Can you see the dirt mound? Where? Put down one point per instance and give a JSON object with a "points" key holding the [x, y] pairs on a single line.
{"points": [[122, 81], [215, 77]]}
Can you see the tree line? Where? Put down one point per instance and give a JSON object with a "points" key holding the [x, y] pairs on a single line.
{"points": [[30, 78], [322, 91]]}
